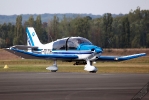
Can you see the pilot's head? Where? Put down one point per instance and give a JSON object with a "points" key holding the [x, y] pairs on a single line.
{"points": [[78, 41]]}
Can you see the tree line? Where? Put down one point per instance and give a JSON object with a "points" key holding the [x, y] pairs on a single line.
{"points": [[126, 31]]}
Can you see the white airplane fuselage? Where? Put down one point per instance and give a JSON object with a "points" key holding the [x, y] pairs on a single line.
{"points": [[82, 54]]}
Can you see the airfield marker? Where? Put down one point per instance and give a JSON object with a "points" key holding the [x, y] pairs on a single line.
{"points": [[5, 67]]}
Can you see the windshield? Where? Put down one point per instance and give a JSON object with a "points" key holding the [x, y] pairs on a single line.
{"points": [[79, 40], [74, 43]]}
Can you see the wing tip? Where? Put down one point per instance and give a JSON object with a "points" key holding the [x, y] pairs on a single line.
{"points": [[141, 54]]}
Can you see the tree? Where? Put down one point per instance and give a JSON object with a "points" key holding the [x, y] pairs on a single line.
{"points": [[82, 26], [18, 37], [4, 33], [31, 22], [53, 28], [107, 30], [125, 33], [38, 25], [9, 39], [2, 43], [95, 32], [65, 27]]}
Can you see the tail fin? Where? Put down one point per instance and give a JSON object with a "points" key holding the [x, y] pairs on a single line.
{"points": [[32, 38]]}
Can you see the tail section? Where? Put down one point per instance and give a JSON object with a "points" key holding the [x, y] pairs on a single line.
{"points": [[32, 38]]}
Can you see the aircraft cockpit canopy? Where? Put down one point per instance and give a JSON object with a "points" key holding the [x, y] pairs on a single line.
{"points": [[71, 43]]}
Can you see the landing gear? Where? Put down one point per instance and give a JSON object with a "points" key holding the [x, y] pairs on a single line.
{"points": [[88, 67], [53, 68], [93, 71]]}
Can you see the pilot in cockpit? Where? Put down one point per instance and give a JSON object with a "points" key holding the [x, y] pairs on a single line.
{"points": [[77, 42]]}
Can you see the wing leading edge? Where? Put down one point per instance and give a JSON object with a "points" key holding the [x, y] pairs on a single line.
{"points": [[120, 58]]}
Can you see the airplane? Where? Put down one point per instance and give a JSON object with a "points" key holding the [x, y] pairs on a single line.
{"points": [[77, 49]]}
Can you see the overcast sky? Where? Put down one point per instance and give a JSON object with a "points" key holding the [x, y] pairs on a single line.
{"points": [[97, 7]]}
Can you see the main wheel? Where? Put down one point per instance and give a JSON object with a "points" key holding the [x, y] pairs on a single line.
{"points": [[53, 70], [93, 71]]}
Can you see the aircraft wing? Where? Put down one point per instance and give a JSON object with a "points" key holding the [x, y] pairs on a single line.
{"points": [[120, 58], [32, 55]]}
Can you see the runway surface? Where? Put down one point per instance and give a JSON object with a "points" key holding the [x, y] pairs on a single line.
{"points": [[71, 86]]}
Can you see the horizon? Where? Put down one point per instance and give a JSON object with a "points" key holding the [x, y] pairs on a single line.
{"points": [[63, 13], [96, 7]]}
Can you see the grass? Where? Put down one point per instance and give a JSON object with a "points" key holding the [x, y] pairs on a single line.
{"points": [[139, 65]]}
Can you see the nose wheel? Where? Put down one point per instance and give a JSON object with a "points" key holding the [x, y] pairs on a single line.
{"points": [[88, 67], [93, 71]]}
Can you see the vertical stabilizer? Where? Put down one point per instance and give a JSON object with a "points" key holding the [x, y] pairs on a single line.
{"points": [[32, 38]]}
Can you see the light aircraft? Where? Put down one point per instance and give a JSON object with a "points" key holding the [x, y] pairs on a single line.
{"points": [[77, 49]]}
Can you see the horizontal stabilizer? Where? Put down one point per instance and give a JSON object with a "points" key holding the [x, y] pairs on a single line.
{"points": [[24, 47], [120, 58]]}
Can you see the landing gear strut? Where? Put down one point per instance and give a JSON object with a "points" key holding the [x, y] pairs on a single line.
{"points": [[88, 67], [53, 68]]}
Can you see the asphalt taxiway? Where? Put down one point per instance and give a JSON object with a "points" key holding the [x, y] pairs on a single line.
{"points": [[71, 86]]}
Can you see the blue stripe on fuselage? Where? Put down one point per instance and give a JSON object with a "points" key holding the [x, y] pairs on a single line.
{"points": [[72, 52], [30, 37]]}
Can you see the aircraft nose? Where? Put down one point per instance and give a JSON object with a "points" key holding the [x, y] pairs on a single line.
{"points": [[98, 50], [92, 48]]}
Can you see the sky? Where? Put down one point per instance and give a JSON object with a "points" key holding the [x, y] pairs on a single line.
{"points": [[96, 7]]}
